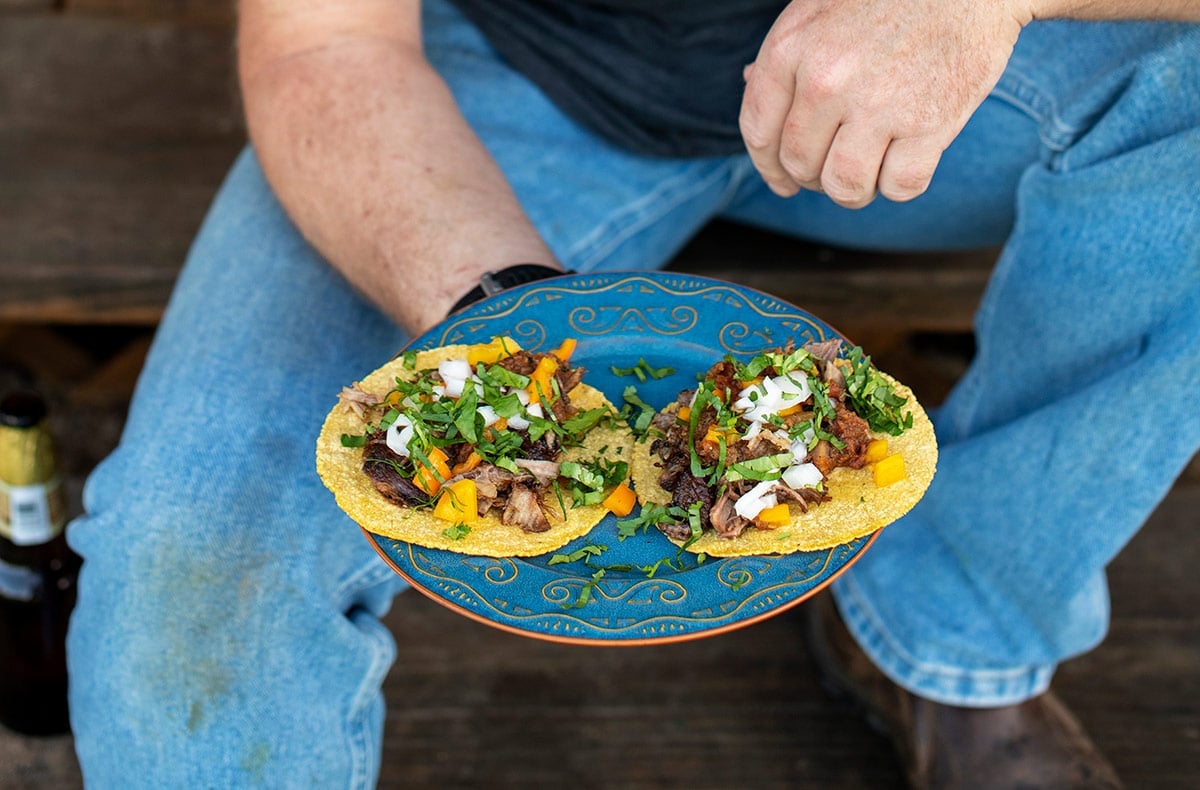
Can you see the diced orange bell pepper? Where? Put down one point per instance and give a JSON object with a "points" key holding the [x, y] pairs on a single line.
{"points": [[539, 381], [889, 470], [790, 410], [714, 436], [459, 501], [684, 413], [621, 501], [564, 351], [775, 516], [877, 450], [430, 480], [492, 352], [473, 460]]}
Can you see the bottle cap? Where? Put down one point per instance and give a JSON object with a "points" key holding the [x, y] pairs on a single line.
{"points": [[22, 409]]}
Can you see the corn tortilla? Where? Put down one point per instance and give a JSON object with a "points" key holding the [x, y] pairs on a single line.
{"points": [[340, 469], [856, 506]]}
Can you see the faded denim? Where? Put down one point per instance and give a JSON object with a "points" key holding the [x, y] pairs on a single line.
{"points": [[227, 632]]}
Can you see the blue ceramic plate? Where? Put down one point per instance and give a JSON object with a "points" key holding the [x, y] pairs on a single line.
{"points": [[678, 321]]}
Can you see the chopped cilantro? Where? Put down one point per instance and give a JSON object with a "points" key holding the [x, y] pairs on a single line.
{"points": [[642, 370], [767, 467], [873, 398], [590, 550], [350, 440], [457, 532], [646, 412]]}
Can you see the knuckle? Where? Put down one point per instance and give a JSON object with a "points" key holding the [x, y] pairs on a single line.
{"points": [[819, 86], [845, 177], [757, 141], [756, 132], [906, 182], [802, 168]]}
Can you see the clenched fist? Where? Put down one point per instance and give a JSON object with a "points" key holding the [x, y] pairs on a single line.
{"points": [[860, 97]]}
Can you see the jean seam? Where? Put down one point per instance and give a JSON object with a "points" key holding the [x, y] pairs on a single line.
{"points": [[374, 632], [638, 215], [1022, 93]]}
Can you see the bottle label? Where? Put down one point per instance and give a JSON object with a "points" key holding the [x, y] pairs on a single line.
{"points": [[31, 514]]}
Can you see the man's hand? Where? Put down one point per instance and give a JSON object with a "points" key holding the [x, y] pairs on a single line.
{"points": [[860, 97]]}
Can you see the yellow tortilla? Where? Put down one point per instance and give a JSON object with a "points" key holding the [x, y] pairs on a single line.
{"points": [[857, 506], [340, 469]]}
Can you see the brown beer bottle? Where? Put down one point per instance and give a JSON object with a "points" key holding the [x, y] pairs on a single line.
{"points": [[37, 573]]}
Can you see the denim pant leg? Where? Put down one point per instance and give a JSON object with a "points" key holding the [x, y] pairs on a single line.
{"points": [[1079, 409], [227, 630]]}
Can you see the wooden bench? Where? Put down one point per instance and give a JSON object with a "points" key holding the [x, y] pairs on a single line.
{"points": [[118, 118]]}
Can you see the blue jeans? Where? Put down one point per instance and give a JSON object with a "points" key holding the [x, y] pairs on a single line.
{"points": [[228, 633]]}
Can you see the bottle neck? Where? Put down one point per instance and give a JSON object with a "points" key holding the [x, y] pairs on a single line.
{"points": [[26, 455]]}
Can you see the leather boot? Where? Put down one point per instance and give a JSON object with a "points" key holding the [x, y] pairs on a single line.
{"points": [[1033, 744]]}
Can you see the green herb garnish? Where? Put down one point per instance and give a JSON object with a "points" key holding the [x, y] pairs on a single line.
{"points": [[873, 398], [642, 370]]}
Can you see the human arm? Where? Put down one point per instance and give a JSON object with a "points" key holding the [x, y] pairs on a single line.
{"points": [[368, 153], [859, 97]]}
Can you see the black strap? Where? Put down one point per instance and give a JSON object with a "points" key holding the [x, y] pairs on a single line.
{"points": [[492, 283]]}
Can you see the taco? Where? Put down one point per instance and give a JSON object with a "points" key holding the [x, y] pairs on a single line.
{"points": [[794, 450], [486, 449]]}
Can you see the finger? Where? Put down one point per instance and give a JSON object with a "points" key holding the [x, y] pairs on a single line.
{"points": [[808, 134], [765, 105], [850, 175], [907, 168]]}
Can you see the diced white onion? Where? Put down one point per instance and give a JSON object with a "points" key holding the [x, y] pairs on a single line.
{"points": [[522, 395], [795, 386], [455, 374], [399, 434], [490, 417], [759, 401], [454, 369], [756, 500], [802, 476], [799, 446], [518, 423], [535, 410]]}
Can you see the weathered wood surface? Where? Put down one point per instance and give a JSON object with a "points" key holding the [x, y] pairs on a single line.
{"points": [[114, 135]]}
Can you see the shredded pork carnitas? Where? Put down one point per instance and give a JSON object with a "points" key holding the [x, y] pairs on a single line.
{"points": [[733, 445], [520, 496]]}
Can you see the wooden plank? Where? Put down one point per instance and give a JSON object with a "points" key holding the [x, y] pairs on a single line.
{"points": [[28, 5], [77, 77], [206, 12], [96, 233], [114, 134], [857, 292]]}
